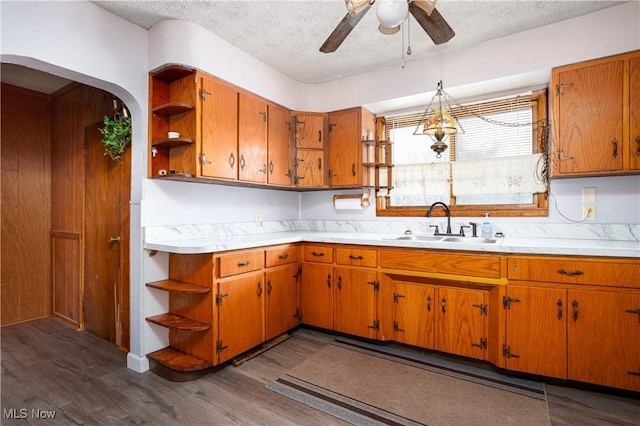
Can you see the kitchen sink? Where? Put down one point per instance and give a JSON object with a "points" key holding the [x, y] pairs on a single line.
{"points": [[468, 240], [417, 238], [440, 238]]}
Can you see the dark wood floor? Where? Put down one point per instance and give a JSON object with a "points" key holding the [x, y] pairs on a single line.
{"points": [[49, 367]]}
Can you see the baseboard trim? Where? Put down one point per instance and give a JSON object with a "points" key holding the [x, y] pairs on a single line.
{"points": [[137, 363]]}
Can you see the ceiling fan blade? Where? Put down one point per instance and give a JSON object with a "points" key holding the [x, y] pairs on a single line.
{"points": [[342, 31], [434, 25]]}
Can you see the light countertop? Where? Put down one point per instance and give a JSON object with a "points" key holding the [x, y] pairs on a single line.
{"points": [[507, 245]]}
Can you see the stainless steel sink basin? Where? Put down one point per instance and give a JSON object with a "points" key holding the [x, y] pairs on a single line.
{"points": [[417, 238], [468, 240], [440, 238]]}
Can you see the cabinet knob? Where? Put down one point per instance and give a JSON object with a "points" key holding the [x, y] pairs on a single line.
{"points": [[115, 239]]}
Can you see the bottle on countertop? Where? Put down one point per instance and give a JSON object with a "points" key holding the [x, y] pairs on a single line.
{"points": [[487, 229]]}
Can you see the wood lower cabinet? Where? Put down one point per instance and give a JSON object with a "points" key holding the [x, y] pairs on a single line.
{"points": [[241, 315], [604, 337], [577, 319], [281, 303], [355, 301], [316, 295], [461, 321], [536, 323], [414, 310]]}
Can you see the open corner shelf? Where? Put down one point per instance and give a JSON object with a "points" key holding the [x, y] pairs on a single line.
{"points": [[172, 142], [177, 360], [178, 322]]}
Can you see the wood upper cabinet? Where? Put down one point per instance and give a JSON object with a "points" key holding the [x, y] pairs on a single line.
{"points": [[634, 112], [355, 301], [310, 149], [461, 315], [279, 145], [347, 130], [252, 138], [592, 108], [536, 322], [604, 337], [219, 152], [309, 129]]}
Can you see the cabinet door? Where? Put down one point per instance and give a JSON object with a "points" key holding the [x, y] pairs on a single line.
{"points": [[309, 168], [309, 131], [589, 114], [252, 139], [604, 338], [356, 302], [282, 300], [414, 322], [316, 295], [345, 148], [634, 112], [279, 154], [241, 315], [460, 322], [536, 330], [219, 105]]}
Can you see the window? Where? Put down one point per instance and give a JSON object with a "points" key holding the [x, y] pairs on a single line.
{"points": [[492, 135]]}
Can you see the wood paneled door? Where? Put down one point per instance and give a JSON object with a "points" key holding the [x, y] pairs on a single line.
{"points": [[106, 239]]}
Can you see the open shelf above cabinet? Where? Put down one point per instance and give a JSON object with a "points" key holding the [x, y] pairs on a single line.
{"points": [[172, 108], [172, 142]]}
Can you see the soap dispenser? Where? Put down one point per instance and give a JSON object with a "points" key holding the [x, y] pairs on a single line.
{"points": [[487, 229]]}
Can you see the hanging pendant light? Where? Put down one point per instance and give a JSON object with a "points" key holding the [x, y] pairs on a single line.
{"points": [[438, 122]]}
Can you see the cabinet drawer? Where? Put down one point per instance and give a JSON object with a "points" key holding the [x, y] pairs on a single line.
{"points": [[474, 265], [357, 256], [322, 254], [617, 273], [281, 255], [239, 263]]}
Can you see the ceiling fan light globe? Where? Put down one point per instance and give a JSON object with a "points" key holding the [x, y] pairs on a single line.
{"points": [[391, 13]]}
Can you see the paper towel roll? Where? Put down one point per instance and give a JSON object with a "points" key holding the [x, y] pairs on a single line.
{"points": [[348, 202]]}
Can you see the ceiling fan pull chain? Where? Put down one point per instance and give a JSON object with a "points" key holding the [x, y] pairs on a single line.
{"points": [[402, 63], [408, 37]]}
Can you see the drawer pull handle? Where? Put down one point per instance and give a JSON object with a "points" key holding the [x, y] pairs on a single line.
{"points": [[352, 257], [316, 254], [283, 256], [574, 304], [241, 264], [636, 311], [634, 373], [570, 273]]}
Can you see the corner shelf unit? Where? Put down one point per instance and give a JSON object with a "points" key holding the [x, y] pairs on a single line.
{"points": [[173, 101], [377, 164], [189, 331]]}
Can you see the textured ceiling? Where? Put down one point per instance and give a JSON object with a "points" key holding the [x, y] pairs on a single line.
{"points": [[287, 34]]}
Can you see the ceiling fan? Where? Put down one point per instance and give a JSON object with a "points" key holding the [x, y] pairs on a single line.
{"points": [[391, 14]]}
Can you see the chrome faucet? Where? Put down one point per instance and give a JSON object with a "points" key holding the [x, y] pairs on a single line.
{"points": [[446, 208]]}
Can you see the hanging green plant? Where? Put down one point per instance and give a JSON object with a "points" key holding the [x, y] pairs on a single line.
{"points": [[116, 135]]}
